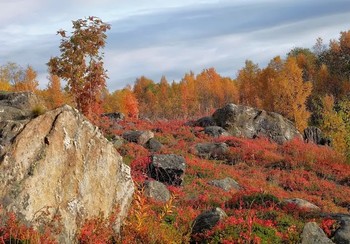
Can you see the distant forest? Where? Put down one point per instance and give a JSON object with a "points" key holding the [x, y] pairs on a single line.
{"points": [[308, 86]]}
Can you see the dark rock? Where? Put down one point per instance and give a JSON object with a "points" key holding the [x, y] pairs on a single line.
{"points": [[342, 235], [226, 184], [211, 150], [157, 191], [139, 137], [207, 220], [215, 131], [204, 122], [153, 145], [345, 181], [302, 204], [16, 110], [312, 234], [314, 135], [249, 122], [167, 168], [116, 116], [117, 141], [21, 100], [9, 129]]}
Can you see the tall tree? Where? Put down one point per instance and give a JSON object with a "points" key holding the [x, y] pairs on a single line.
{"points": [[145, 92], [337, 60], [333, 125], [54, 94], [29, 81], [292, 93], [81, 62], [306, 60], [344, 112], [10, 75], [247, 80]]}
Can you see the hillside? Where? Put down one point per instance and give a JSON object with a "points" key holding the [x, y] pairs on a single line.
{"points": [[86, 165], [267, 174], [256, 182]]}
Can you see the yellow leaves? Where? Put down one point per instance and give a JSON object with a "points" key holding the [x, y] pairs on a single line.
{"points": [[288, 91], [123, 101], [5, 86], [333, 125], [140, 209], [248, 83], [168, 208]]}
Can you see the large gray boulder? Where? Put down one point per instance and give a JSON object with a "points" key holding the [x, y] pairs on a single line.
{"points": [[313, 234], [61, 162], [250, 122], [167, 168]]}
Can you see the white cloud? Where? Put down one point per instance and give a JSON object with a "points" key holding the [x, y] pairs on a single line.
{"points": [[158, 37]]}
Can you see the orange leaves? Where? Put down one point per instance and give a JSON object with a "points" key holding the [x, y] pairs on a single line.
{"points": [[123, 101], [14, 231], [192, 96], [248, 83], [81, 63]]}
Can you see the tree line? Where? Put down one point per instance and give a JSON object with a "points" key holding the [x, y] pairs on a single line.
{"points": [[308, 86]]}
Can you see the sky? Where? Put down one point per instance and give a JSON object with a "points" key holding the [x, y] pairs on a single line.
{"points": [[170, 37]]}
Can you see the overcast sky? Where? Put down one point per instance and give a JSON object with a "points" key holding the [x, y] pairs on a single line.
{"points": [[170, 37]]}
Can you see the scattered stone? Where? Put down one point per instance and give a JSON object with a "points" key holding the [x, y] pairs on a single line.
{"points": [[207, 220], [249, 122], [345, 181], [215, 131], [211, 150], [139, 137], [314, 135], [342, 235], [204, 122], [69, 168], [226, 184], [168, 168], [157, 191], [153, 145], [312, 234], [115, 117], [117, 141], [302, 204]]}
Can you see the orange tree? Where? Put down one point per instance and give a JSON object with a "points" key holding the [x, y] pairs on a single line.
{"points": [[81, 62]]}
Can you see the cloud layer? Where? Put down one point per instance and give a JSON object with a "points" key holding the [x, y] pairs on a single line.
{"points": [[170, 38]]}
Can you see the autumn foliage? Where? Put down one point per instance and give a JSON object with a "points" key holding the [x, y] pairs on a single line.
{"points": [[309, 87], [81, 63], [266, 172]]}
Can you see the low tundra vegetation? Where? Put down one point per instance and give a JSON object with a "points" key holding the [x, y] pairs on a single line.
{"points": [[267, 173]]}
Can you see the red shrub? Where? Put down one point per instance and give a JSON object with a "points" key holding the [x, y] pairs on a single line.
{"points": [[329, 226], [139, 169]]}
